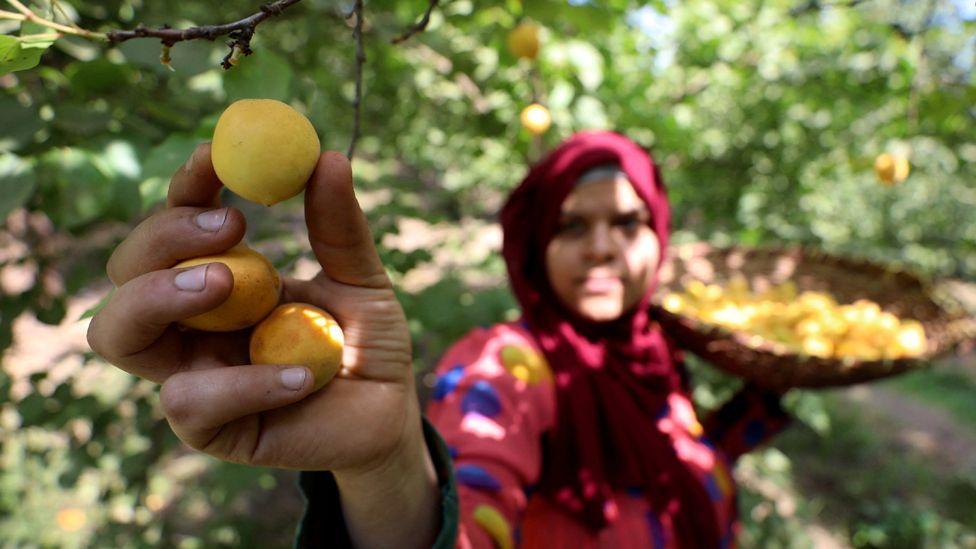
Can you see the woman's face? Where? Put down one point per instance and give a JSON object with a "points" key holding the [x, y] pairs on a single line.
{"points": [[604, 254]]}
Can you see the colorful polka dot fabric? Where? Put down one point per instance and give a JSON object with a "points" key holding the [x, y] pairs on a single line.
{"points": [[493, 402]]}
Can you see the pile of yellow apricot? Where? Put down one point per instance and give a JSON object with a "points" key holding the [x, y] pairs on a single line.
{"points": [[809, 322], [265, 151]]}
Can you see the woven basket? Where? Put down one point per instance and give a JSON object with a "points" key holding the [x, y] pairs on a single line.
{"points": [[946, 323]]}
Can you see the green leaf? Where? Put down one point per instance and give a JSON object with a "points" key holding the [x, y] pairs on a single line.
{"points": [[14, 57], [187, 58], [98, 76], [20, 123], [79, 187], [36, 36], [36, 41], [263, 75], [120, 157], [160, 165], [77, 119], [17, 184]]}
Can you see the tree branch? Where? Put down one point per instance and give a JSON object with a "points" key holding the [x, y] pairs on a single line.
{"points": [[921, 67], [21, 8], [241, 32], [4, 14], [814, 5], [357, 35], [27, 15], [419, 26], [171, 36]]}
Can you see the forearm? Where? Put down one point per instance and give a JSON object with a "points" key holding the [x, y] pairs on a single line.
{"points": [[749, 419], [396, 505]]}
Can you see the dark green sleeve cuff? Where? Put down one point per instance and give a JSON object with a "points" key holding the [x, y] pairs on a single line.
{"points": [[323, 524]]}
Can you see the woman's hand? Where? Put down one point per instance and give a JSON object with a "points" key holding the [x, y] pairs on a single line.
{"points": [[218, 403]]}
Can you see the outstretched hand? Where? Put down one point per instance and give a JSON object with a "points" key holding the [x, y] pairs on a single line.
{"points": [[263, 414]]}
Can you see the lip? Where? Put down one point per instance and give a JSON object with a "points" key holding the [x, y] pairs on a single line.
{"points": [[599, 284]]}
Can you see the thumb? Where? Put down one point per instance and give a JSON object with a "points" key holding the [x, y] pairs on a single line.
{"points": [[337, 228]]}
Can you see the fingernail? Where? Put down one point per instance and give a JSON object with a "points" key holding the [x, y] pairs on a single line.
{"points": [[293, 378], [193, 280], [212, 220], [189, 161]]}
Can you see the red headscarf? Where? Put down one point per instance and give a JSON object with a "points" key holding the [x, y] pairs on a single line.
{"points": [[613, 378]]}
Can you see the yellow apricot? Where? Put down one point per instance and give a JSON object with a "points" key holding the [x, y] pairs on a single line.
{"points": [[257, 288], [523, 41], [809, 327], [902, 168], [674, 302], [298, 333], [884, 168], [818, 346], [891, 169], [264, 150], [738, 288], [71, 519], [536, 118], [854, 348], [911, 338]]}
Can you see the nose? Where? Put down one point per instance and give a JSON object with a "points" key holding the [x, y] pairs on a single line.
{"points": [[600, 245]]}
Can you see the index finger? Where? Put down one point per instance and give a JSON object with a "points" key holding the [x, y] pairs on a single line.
{"points": [[195, 183]]}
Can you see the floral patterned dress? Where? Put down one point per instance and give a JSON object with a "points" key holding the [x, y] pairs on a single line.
{"points": [[494, 399]]}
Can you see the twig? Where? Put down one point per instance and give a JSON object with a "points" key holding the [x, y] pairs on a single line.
{"points": [[4, 14], [357, 35], [43, 36], [207, 32], [27, 15], [813, 5], [419, 26], [20, 7], [240, 32], [920, 68]]}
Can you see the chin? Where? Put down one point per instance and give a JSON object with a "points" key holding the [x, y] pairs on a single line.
{"points": [[599, 311]]}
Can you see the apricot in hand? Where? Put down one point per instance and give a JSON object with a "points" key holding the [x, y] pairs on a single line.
{"points": [[263, 150], [256, 291], [298, 333]]}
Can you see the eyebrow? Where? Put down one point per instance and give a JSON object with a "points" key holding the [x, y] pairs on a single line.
{"points": [[640, 210]]}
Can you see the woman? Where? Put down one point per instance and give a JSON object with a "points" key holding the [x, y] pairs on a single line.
{"points": [[572, 427]]}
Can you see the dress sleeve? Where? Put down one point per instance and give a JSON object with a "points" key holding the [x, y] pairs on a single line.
{"points": [[749, 419], [492, 401]]}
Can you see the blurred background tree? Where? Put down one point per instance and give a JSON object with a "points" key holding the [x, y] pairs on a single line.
{"points": [[766, 116]]}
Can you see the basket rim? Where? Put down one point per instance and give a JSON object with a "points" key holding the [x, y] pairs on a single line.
{"points": [[807, 251]]}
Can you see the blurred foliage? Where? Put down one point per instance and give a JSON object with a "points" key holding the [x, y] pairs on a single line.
{"points": [[766, 116]]}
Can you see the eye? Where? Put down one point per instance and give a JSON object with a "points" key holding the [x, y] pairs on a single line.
{"points": [[571, 227], [630, 223]]}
